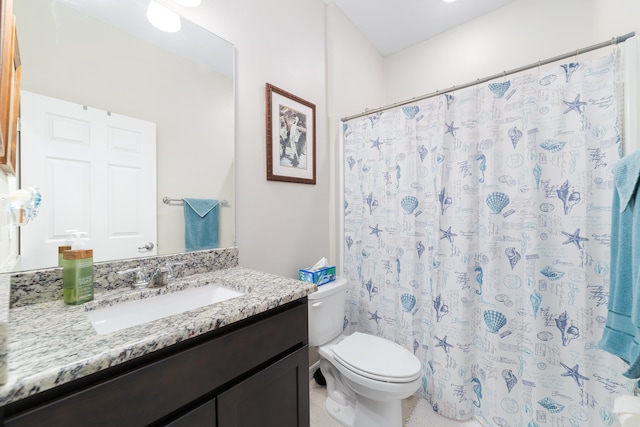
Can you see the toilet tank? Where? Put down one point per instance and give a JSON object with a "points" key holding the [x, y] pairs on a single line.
{"points": [[326, 311]]}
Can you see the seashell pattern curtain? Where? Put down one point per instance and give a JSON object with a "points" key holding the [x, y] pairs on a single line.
{"points": [[477, 229]]}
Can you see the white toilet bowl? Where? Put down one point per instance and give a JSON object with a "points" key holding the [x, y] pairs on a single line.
{"points": [[366, 391], [367, 376]]}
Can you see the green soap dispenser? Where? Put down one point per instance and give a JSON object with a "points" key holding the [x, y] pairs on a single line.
{"points": [[61, 249], [77, 274], [67, 245]]}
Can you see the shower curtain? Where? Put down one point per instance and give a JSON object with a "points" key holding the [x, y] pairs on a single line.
{"points": [[477, 229]]}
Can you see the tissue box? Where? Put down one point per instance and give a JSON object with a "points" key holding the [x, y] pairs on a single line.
{"points": [[319, 277]]}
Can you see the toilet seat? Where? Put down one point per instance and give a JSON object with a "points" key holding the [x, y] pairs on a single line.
{"points": [[376, 358]]}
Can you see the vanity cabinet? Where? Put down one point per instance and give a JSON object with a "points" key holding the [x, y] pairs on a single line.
{"points": [[250, 373]]}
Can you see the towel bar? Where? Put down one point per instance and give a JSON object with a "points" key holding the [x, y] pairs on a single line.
{"points": [[167, 201]]}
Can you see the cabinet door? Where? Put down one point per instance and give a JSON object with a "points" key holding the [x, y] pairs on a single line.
{"points": [[202, 416], [276, 396]]}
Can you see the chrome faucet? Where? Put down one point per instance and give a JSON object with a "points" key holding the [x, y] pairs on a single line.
{"points": [[161, 276], [164, 274], [141, 280]]}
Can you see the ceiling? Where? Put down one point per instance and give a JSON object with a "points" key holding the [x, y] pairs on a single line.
{"points": [[394, 25]]}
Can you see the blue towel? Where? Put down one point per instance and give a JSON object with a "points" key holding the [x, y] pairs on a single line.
{"points": [[200, 224], [622, 331]]}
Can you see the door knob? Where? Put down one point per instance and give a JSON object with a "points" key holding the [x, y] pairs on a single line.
{"points": [[149, 246]]}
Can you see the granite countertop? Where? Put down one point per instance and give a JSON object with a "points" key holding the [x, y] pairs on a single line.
{"points": [[51, 343]]}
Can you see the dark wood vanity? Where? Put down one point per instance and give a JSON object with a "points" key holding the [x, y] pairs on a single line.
{"points": [[254, 372]]}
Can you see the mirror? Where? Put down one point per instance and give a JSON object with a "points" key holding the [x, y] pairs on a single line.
{"points": [[106, 55]]}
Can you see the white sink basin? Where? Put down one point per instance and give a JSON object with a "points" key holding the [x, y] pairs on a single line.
{"points": [[131, 313]]}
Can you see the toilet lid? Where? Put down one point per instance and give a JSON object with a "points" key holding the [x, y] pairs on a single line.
{"points": [[377, 358]]}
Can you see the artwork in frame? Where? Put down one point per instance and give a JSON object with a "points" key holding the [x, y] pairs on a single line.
{"points": [[10, 136], [291, 137], [6, 21]]}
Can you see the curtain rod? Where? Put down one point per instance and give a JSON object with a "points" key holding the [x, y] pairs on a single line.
{"points": [[614, 40]]}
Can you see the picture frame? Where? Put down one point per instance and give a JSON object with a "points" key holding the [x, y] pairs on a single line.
{"points": [[291, 137], [10, 128], [6, 28]]}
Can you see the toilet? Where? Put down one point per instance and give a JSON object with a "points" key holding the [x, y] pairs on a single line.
{"points": [[367, 376]]}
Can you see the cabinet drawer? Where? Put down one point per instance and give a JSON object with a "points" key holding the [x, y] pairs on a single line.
{"points": [[147, 393]]}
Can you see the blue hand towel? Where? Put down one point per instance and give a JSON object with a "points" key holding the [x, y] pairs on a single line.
{"points": [[622, 330], [200, 224]]}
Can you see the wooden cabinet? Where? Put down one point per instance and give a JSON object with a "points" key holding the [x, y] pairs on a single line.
{"points": [[250, 373], [270, 397], [203, 415]]}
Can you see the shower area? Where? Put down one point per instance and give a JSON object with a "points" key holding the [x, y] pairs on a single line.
{"points": [[477, 234]]}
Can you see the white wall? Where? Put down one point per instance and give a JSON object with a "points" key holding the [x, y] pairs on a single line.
{"points": [[8, 232], [615, 17], [354, 69], [520, 33], [281, 227], [355, 82]]}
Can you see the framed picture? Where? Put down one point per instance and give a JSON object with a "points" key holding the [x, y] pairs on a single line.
{"points": [[291, 137], [10, 128], [6, 28]]}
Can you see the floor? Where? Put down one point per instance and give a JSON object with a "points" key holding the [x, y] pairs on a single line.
{"points": [[320, 418]]}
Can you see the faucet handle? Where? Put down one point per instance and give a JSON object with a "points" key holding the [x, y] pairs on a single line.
{"points": [[142, 281], [170, 274]]}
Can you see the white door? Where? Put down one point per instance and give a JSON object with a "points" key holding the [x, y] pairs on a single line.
{"points": [[97, 173]]}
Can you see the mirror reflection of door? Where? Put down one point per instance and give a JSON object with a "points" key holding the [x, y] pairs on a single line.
{"points": [[105, 54], [76, 155]]}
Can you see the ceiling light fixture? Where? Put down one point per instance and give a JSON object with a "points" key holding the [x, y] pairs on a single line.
{"points": [[448, 1], [189, 3], [163, 18]]}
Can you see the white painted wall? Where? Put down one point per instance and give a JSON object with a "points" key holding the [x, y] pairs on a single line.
{"points": [[281, 226], [520, 33], [355, 82], [8, 232], [615, 17]]}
